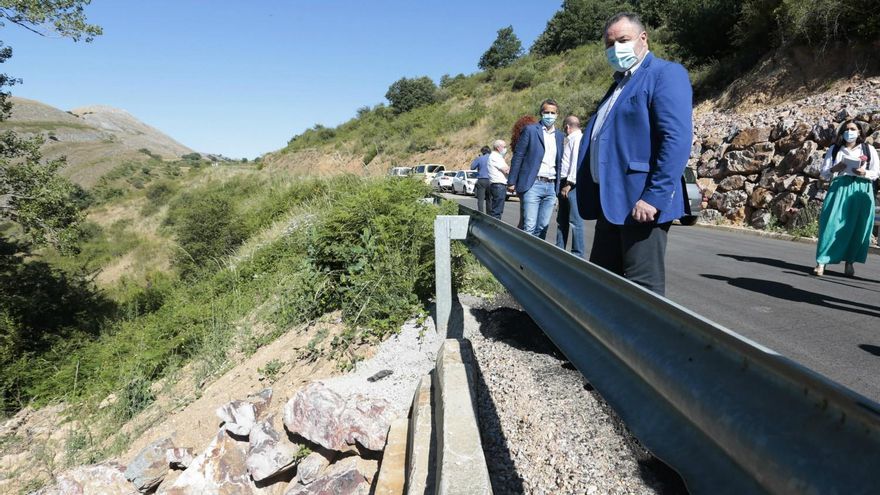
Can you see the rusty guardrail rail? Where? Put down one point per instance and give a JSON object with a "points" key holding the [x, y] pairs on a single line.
{"points": [[731, 416]]}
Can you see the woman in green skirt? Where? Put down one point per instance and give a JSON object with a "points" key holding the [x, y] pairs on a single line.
{"points": [[848, 210]]}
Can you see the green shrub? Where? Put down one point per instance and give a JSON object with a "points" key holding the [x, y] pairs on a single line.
{"points": [[523, 79], [206, 228], [408, 94]]}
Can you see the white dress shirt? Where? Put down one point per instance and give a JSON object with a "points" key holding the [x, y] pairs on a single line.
{"points": [[548, 163], [602, 114], [498, 168], [568, 169], [873, 168]]}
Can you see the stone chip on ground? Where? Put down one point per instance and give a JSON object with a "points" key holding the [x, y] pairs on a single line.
{"points": [[543, 430], [150, 466]]}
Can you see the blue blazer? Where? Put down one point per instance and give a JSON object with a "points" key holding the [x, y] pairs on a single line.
{"points": [[644, 146], [528, 155]]}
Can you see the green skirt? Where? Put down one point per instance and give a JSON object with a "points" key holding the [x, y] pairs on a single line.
{"points": [[846, 221]]}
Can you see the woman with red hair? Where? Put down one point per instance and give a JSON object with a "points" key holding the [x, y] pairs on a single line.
{"points": [[525, 120], [518, 127]]}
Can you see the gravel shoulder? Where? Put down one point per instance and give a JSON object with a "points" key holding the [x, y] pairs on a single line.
{"points": [[545, 430]]}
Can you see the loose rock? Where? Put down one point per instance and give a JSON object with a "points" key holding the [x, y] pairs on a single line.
{"points": [[150, 466]]}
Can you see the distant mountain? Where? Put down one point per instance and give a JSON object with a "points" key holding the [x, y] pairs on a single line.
{"points": [[95, 139]]}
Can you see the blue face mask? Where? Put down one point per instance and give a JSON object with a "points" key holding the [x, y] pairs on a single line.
{"points": [[548, 119], [622, 56], [850, 135]]}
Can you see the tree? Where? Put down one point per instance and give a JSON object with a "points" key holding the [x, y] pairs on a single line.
{"points": [[32, 194], [576, 23], [504, 50], [407, 94]]}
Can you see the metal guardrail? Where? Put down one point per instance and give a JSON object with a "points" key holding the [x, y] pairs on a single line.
{"points": [[731, 416]]}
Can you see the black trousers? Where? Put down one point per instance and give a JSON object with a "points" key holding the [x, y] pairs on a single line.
{"points": [[497, 196], [636, 252], [480, 190]]}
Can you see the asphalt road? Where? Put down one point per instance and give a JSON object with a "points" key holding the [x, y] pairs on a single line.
{"points": [[763, 289]]}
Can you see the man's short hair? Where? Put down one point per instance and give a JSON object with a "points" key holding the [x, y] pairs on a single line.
{"points": [[572, 120], [498, 143], [630, 16], [485, 150], [548, 101]]}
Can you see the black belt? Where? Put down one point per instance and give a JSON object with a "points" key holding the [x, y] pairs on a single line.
{"points": [[545, 179]]}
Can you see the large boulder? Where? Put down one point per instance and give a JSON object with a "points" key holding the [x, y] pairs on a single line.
{"points": [[782, 204], [309, 469], [179, 458], [760, 219], [239, 417], [150, 466], [814, 164], [731, 183], [748, 161], [824, 133], [760, 197], [221, 468], [322, 416], [782, 129], [733, 200], [750, 136], [104, 479], [797, 159], [261, 401], [269, 451], [711, 216], [709, 168], [795, 137], [345, 477]]}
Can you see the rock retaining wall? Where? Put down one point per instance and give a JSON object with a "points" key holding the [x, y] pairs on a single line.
{"points": [[762, 168]]}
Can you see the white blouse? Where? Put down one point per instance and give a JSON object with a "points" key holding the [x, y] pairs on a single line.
{"points": [[873, 169]]}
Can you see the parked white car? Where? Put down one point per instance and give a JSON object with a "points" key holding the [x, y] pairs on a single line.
{"points": [[443, 180], [464, 182]]}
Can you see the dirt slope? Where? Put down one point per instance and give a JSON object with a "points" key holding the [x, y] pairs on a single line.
{"points": [[94, 139]]}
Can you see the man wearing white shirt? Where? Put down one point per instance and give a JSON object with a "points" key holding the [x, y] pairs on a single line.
{"points": [[534, 170], [567, 217], [498, 171]]}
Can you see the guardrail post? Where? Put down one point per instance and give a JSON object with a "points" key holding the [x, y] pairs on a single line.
{"points": [[446, 228]]}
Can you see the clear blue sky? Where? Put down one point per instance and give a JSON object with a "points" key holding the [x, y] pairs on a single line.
{"points": [[241, 78]]}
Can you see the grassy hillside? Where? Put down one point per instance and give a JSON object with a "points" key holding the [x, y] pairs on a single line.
{"points": [[473, 110]]}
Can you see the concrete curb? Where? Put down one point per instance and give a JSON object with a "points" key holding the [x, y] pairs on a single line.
{"points": [[421, 452], [461, 464], [771, 235], [392, 473]]}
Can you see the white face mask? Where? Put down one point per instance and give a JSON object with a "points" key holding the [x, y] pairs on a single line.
{"points": [[850, 135], [622, 56], [503, 151]]}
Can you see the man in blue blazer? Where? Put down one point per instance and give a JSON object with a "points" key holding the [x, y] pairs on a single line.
{"points": [[633, 154], [534, 170]]}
